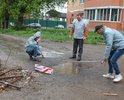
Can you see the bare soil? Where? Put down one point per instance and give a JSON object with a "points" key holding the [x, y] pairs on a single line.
{"points": [[70, 80]]}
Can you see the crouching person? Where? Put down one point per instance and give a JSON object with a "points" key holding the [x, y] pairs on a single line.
{"points": [[33, 48]]}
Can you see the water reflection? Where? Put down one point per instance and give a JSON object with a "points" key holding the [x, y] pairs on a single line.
{"points": [[52, 54], [69, 68]]}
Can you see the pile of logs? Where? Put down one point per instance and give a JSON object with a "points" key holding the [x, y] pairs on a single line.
{"points": [[8, 77]]}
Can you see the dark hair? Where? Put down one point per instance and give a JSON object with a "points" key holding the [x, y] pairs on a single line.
{"points": [[97, 27], [79, 14]]}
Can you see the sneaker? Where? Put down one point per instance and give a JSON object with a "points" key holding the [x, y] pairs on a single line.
{"points": [[73, 57], [30, 57], [108, 75], [118, 78], [37, 58], [40, 56]]}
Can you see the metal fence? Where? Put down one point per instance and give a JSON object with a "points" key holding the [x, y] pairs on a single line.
{"points": [[43, 23]]}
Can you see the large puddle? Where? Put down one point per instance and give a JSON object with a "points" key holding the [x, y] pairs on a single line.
{"points": [[70, 68]]}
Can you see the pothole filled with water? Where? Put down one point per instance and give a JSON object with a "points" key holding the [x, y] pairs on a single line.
{"points": [[72, 67]]}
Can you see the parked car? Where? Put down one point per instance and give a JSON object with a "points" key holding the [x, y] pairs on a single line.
{"points": [[59, 26], [34, 25], [11, 24]]}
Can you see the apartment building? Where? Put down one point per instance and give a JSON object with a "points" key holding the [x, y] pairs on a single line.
{"points": [[106, 12]]}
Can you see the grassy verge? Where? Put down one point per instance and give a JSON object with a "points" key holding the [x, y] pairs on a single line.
{"points": [[59, 35]]}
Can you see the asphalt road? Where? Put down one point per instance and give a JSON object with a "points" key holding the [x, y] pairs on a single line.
{"points": [[70, 80]]}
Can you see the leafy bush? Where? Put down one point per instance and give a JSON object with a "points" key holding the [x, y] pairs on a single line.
{"points": [[94, 38]]}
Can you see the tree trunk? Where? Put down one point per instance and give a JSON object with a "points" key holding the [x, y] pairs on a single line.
{"points": [[19, 24], [5, 22], [20, 19]]}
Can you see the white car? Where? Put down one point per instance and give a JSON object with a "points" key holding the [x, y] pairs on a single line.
{"points": [[34, 25], [59, 26]]}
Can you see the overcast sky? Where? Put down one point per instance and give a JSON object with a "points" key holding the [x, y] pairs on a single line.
{"points": [[62, 9], [59, 9]]}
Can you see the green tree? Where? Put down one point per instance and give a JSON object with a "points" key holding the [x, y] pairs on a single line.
{"points": [[53, 13], [5, 12], [19, 8], [24, 7]]}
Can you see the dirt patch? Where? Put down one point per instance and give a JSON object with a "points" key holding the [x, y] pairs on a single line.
{"points": [[10, 77]]}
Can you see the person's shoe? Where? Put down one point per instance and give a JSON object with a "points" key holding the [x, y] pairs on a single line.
{"points": [[37, 58], [108, 75], [79, 59], [118, 78], [40, 56], [73, 57], [30, 56]]}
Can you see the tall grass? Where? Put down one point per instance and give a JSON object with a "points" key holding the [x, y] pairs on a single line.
{"points": [[59, 35], [94, 38]]}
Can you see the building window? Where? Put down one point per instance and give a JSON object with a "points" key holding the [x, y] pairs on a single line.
{"points": [[82, 1], [115, 13], [90, 14], [108, 14], [103, 14]]}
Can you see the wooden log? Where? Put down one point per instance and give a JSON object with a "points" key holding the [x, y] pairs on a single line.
{"points": [[11, 85], [111, 94], [4, 72], [9, 77], [2, 87]]}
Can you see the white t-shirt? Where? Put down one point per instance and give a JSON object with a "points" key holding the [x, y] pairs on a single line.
{"points": [[79, 27]]}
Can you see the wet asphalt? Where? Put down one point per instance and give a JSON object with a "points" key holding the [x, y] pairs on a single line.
{"points": [[70, 80]]}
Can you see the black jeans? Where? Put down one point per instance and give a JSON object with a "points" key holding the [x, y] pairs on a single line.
{"points": [[78, 45]]}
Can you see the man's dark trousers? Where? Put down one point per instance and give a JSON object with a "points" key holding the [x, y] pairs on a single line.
{"points": [[78, 43]]}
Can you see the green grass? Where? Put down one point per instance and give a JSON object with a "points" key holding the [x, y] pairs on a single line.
{"points": [[94, 38], [59, 35]]}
